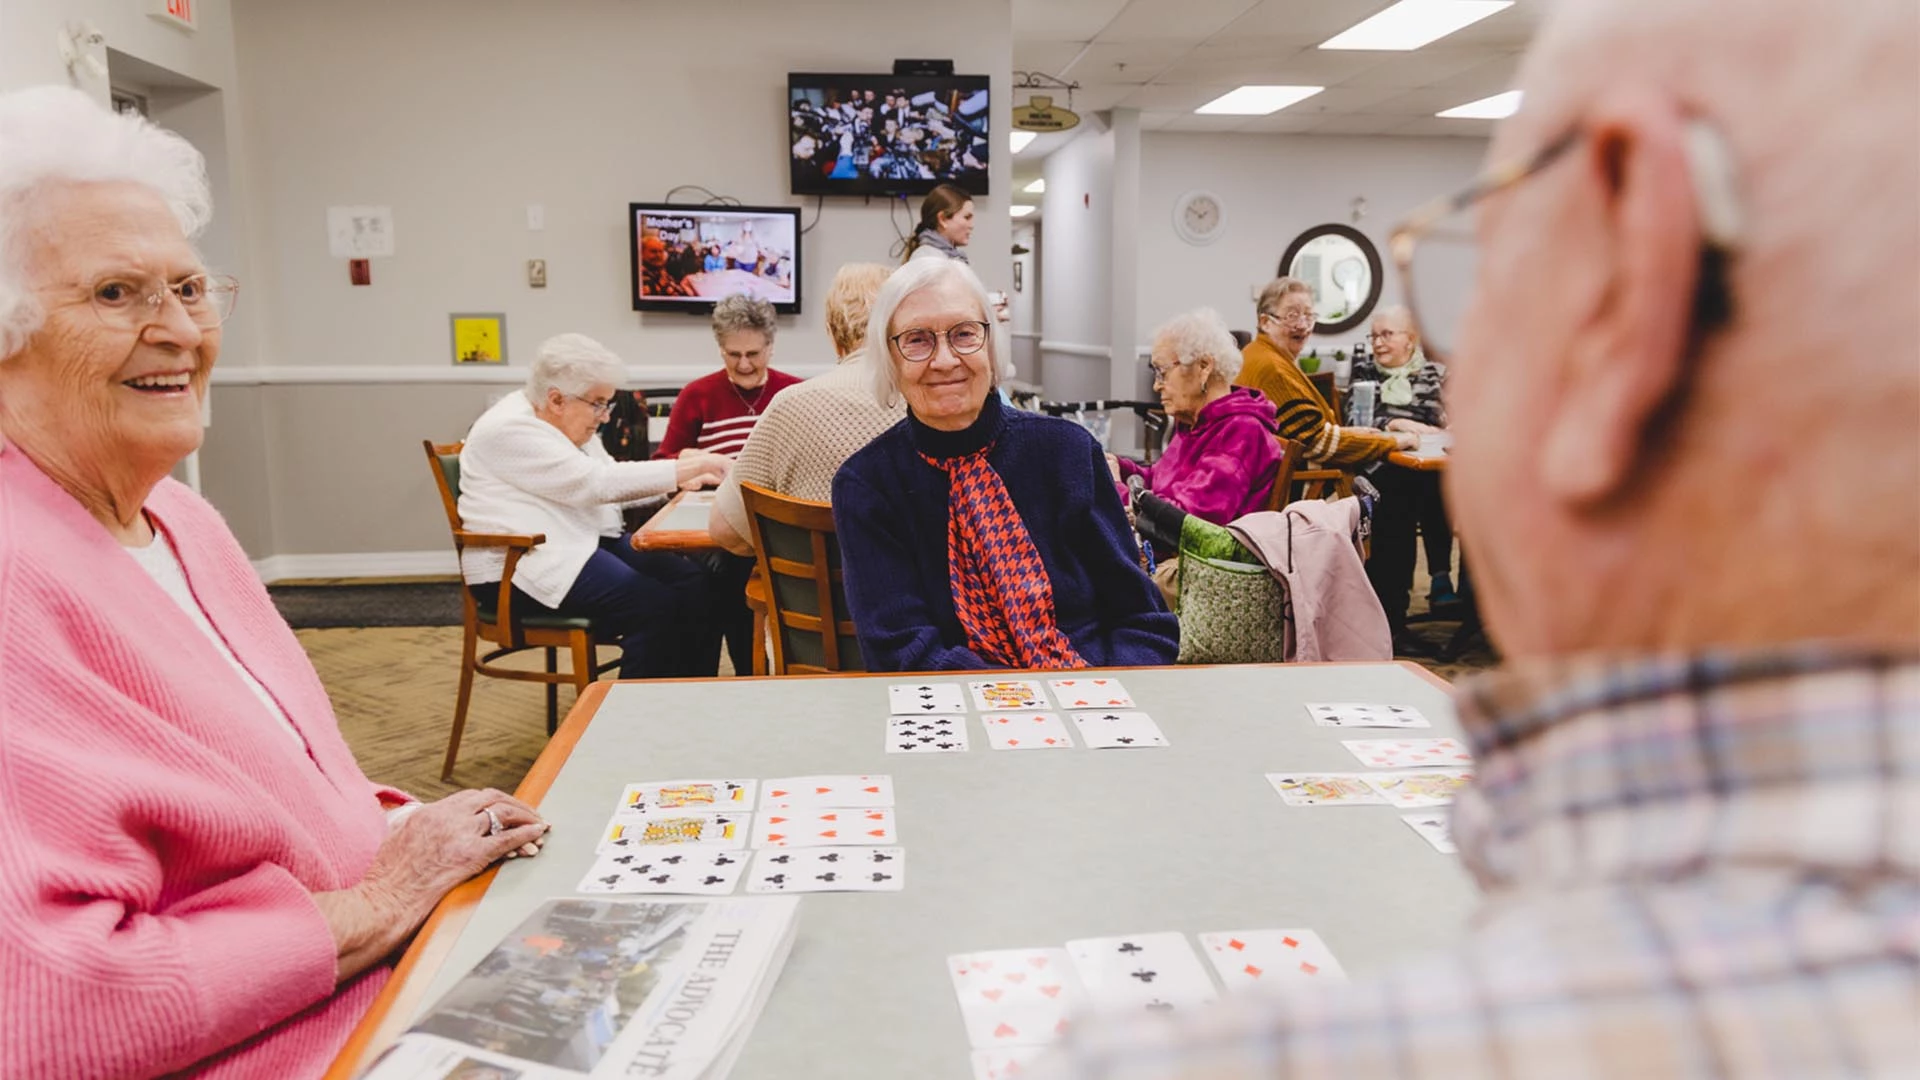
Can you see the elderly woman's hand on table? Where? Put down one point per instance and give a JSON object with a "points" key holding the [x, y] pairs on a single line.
{"points": [[435, 849], [701, 468], [1414, 426]]}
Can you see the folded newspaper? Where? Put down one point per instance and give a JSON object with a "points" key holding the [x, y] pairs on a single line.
{"points": [[606, 988]]}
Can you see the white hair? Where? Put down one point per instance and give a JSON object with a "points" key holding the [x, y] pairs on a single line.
{"points": [[57, 135], [572, 364], [1197, 335], [883, 375]]}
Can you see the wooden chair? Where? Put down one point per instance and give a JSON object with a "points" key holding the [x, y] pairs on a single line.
{"points": [[495, 621], [757, 602], [799, 558], [1282, 493]]}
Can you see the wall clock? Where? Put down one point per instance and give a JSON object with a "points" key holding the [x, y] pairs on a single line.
{"points": [[1198, 217]]}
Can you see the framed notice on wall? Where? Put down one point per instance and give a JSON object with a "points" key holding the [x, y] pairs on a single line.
{"points": [[479, 339]]}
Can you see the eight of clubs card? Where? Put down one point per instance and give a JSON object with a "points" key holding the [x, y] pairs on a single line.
{"points": [[1015, 997], [1155, 972], [829, 869], [1100, 693], [1254, 959], [1105, 730], [687, 871], [1007, 695], [926, 734], [924, 699], [1026, 731], [1361, 714], [793, 792], [823, 828]]}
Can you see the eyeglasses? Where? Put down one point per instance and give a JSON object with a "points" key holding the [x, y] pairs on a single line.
{"points": [[135, 301], [600, 408], [918, 344], [1382, 335], [1292, 317], [1438, 257]]}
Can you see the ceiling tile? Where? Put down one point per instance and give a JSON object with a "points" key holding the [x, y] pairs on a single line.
{"points": [[1317, 19], [1193, 122], [1433, 125], [1047, 56], [1062, 20], [1157, 20], [1512, 29], [1131, 63], [1284, 122], [1175, 98], [1422, 67]]}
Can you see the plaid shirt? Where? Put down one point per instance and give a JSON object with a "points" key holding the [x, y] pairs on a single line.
{"points": [[1692, 868]]}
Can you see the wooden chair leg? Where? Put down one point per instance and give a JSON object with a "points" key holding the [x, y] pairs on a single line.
{"points": [[759, 642], [583, 655], [553, 691], [469, 659]]}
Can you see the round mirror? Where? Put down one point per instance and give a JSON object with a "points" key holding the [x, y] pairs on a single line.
{"points": [[1342, 267]]}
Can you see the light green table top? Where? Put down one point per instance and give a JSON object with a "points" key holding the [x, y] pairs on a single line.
{"points": [[1018, 849]]}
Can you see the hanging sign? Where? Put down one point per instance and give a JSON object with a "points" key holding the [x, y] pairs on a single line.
{"points": [[1041, 114], [180, 13]]}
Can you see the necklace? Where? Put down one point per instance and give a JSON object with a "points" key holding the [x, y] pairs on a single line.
{"points": [[752, 406]]}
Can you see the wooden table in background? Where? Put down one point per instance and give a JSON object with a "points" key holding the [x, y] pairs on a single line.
{"points": [[1418, 461], [680, 526]]}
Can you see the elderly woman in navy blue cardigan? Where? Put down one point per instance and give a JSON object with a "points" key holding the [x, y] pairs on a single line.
{"points": [[974, 535]]}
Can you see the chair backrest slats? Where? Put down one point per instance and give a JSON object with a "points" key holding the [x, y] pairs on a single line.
{"points": [[794, 542]]}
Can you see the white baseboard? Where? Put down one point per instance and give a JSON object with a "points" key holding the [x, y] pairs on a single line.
{"points": [[356, 565]]}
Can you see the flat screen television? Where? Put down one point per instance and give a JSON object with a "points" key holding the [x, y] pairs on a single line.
{"points": [[687, 258], [887, 134]]}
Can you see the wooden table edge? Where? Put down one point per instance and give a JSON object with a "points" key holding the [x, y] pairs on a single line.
{"points": [[397, 1001], [399, 998], [1418, 462], [646, 538]]}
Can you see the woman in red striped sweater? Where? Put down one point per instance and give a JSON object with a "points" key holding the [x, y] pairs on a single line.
{"points": [[715, 412]]}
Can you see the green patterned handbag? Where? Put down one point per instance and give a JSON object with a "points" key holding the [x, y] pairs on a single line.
{"points": [[1232, 610]]}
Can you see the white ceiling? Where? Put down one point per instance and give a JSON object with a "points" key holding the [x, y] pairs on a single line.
{"points": [[1168, 57]]}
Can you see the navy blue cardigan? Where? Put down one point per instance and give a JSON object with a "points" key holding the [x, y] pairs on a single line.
{"points": [[890, 510]]}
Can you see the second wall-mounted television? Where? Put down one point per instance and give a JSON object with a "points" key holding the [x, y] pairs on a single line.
{"points": [[687, 258], [887, 134]]}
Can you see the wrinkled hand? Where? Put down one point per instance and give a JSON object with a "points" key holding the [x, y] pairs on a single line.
{"points": [[443, 844], [700, 468], [1113, 466], [1406, 440]]}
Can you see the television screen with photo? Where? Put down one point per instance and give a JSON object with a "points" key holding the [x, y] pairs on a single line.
{"points": [[887, 134], [687, 258]]}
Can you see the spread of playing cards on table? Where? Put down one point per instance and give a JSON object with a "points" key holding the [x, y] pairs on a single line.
{"points": [[800, 834], [1017, 714]]}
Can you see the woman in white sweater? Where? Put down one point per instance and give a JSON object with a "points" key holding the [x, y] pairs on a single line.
{"points": [[532, 465]]}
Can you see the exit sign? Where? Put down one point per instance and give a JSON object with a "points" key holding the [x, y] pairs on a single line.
{"points": [[178, 12]]}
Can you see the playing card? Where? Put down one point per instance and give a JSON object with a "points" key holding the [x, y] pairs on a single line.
{"points": [[1155, 972], [1103, 730], [1007, 695], [1026, 731], [689, 871], [1426, 787], [925, 699], [675, 830], [926, 734], [1435, 828], [829, 869], [1005, 1063], [1324, 789], [1408, 753], [1360, 714], [1090, 693], [795, 792], [1015, 997], [695, 796], [1256, 959], [823, 828]]}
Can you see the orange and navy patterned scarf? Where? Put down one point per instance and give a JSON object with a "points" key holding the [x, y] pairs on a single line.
{"points": [[1001, 591]]}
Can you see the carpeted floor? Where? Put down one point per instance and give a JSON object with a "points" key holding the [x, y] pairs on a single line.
{"points": [[390, 657]]}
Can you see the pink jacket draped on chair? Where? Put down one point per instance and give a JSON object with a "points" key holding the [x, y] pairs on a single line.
{"points": [[1332, 611], [160, 835]]}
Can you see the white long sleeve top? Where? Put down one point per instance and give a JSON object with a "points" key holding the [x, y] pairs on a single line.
{"points": [[520, 474]]}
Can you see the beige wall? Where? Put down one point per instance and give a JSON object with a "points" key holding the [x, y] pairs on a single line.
{"points": [[460, 115]]}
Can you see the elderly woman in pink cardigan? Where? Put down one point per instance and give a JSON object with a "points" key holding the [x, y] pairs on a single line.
{"points": [[195, 877]]}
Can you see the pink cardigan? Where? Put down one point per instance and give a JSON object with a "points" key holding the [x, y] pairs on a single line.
{"points": [[159, 836]]}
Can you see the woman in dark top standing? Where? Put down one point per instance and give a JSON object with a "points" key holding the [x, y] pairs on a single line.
{"points": [[974, 535]]}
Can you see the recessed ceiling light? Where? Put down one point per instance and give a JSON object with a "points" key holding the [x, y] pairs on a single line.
{"points": [[1019, 139], [1497, 107], [1036, 187], [1410, 24], [1257, 100], [1021, 211]]}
